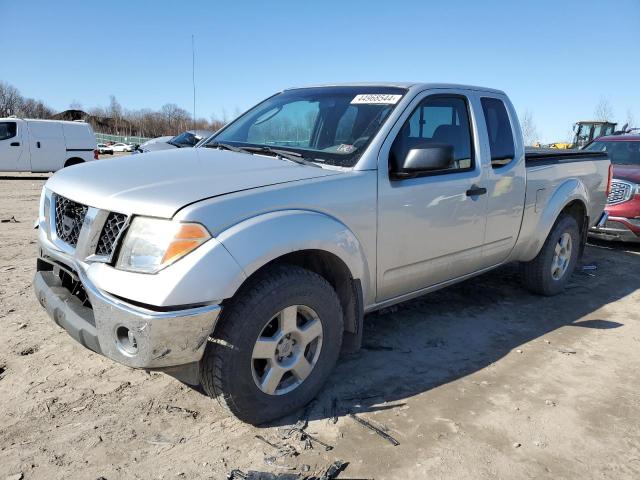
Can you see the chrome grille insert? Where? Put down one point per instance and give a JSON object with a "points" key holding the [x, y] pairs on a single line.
{"points": [[113, 228], [69, 217], [620, 192]]}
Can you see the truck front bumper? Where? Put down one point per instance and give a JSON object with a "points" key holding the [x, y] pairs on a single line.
{"points": [[617, 228], [132, 335]]}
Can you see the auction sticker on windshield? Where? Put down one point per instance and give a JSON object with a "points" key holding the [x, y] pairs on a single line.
{"points": [[376, 99]]}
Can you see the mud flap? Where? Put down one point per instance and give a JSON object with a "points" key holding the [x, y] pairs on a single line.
{"points": [[354, 319]]}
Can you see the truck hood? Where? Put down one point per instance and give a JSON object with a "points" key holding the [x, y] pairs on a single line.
{"points": [[161, 183], [630, 173]]}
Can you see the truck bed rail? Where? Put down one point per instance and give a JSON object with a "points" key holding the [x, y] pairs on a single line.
{"points": [[545, 156]]}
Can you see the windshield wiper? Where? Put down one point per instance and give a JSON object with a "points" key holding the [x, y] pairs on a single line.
{"points": [[226, 146], [284, 154], [177, 145]]}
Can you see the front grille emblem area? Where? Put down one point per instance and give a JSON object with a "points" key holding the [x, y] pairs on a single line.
{"points": [[620, 192], [104, 228], [69, 217]]}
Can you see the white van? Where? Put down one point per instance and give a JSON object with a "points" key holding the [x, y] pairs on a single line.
{"points": [[44, 145]]}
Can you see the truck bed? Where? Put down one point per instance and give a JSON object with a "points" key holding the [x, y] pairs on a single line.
{"points": [[545, 156], [554, 175]]}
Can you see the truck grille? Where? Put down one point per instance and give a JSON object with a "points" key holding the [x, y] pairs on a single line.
{"points": [[69, 217], [113, 227], [620, 192]]}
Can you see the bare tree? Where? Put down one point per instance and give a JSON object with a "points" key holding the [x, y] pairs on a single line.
{"points": [[529, 130], [603, 111], [10, 99], [13, 103], [113, 119]]}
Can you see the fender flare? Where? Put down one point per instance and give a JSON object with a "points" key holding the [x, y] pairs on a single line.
{"points": [[569, 191], [256, 241]]}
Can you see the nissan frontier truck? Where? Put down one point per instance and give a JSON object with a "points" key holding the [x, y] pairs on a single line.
{"points": [[247, 265]]}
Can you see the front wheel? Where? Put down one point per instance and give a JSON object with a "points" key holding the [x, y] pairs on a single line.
{"points": [[549, 272], [275, 344]]}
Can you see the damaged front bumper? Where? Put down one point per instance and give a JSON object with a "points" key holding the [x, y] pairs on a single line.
{"points": [[617, 228], [132, 335]]}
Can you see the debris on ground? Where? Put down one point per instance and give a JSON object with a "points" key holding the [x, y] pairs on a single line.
{"points": [[567, 352], [591, 266], [358, 398], [162, 440], [334, 410], [15, 476], [517, 445], [334, 469], [254, 475], [285, 450], [330, 473], [185, 411], [10, 220], [298, 430], [28, 351], [375, 429]]}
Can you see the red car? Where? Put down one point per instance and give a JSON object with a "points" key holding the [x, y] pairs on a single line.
{"points": [[623, 203]]}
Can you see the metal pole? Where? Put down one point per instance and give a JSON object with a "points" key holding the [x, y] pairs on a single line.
{"points": [[193, 77]]}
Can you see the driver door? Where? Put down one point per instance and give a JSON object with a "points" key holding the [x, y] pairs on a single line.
{"points": [[431, 227], [12, 147]]}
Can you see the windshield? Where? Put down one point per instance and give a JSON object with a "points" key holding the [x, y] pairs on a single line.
{"points": [[185, 139], [330, 125], [620, 152]]}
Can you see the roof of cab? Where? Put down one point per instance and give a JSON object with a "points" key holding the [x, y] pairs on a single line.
{"points": [[68, 122], [407, 85]]}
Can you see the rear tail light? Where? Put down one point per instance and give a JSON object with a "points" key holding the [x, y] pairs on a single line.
{"points": [[609, 179], [95, 154]]}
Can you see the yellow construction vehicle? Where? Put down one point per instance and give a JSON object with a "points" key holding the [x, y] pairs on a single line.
{"points": [[585, 131]]}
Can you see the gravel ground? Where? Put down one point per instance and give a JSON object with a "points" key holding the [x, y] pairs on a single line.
{"points": [[482, 380]]}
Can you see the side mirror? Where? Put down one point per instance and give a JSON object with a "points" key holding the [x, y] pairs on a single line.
{"points": [[427, 158]]}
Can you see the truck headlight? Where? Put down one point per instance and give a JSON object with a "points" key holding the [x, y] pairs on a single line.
{"points": [[152, 244]]}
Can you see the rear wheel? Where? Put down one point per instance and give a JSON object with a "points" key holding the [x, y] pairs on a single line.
{"points": [[549, 272], [275, 344], [73, 161]]}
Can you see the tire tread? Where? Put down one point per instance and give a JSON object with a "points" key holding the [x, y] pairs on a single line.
{"points": [[263, 285]]}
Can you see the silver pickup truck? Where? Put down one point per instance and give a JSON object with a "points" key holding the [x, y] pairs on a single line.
{"points": [[246, 265]]}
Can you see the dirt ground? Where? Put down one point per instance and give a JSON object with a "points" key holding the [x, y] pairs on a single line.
{"points": [[482, 380]]}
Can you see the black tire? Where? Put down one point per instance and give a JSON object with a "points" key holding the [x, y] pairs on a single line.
{"points": [[227, 366], [73, 161], [537, 274]]}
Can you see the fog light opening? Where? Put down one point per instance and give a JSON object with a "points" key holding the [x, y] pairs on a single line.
{"points": [[126, 341]]}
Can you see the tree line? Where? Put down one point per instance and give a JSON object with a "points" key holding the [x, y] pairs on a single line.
{"points": [[113, 119]]}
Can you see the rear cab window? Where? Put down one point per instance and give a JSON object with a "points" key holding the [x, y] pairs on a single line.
{"points": [[8, 130], [499, 131]]}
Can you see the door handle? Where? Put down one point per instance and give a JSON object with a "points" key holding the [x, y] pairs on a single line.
{"points": [[15, 144], [475, 191], [38, 144]]}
